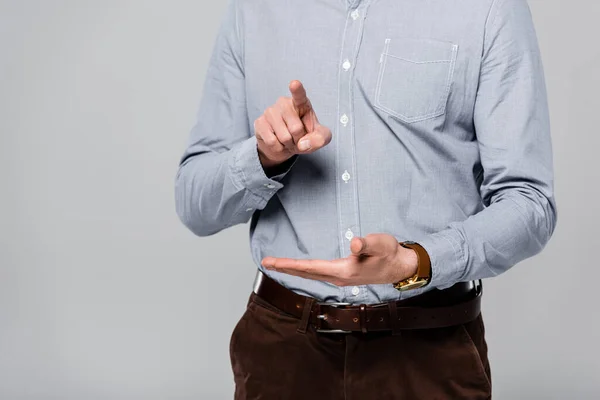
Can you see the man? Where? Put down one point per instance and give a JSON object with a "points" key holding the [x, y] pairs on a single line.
{"points": [[390, 154]]}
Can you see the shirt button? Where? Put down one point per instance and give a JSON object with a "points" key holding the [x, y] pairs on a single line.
{"points": [[270, 186], [355, 14], [346, 65], [344, 120], [349, 235], [355, 290], [346, 176]]}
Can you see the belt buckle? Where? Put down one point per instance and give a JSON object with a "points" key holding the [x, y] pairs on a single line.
{"points": [[322, 316]]}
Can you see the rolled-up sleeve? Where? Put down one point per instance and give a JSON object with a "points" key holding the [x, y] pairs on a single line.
{"points": [[220, 180], [513, 133]]}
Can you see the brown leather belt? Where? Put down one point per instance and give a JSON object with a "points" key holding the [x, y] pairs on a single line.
{"points": [[435, 308]]}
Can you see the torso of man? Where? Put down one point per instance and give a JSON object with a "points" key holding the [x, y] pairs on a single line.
{"points": [[397, 83]]}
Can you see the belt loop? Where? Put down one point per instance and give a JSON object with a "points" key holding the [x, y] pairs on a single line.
{"points": [[303, 325], [394, 321], [362, 316]]}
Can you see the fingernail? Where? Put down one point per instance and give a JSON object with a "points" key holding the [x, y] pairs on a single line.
{"points": [[304, 145]]}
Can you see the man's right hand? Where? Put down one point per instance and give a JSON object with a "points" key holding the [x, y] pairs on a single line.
{"points": [[285, 127]]}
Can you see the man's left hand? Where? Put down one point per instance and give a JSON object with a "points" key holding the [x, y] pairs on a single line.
{"points": [[375, 259]]}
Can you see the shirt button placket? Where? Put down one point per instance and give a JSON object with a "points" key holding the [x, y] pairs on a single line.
{"points": [[347, 189]]}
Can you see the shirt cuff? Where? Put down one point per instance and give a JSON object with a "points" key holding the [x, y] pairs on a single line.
{"points": [[249, 173], [448, 260]]}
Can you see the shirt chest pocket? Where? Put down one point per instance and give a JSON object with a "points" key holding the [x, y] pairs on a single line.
{"points": [[414, 78]]}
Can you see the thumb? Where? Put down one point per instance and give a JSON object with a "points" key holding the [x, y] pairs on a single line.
{"points": [[360, 245], [315, 140]]}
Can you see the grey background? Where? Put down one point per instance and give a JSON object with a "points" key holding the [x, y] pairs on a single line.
{"points": [[105, 295]]}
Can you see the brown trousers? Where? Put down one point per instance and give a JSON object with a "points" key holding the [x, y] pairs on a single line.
{"points": [[271, 360]]}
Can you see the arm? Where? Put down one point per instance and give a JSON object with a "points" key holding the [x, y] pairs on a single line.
{"points": [[220, 179], [512, 126]]}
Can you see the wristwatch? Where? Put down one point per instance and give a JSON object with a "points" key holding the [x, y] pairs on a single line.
{"points": [[423, 275]]}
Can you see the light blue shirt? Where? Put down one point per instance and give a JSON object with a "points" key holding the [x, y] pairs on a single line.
{"points": [[440, 128]]}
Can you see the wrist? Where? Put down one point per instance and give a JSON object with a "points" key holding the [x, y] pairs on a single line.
{"points": [[265, 162], [411, 262], [268, 163], [405, 264], [278, 168]]}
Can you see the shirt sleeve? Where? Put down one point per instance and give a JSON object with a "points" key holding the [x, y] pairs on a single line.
{"points": [[220, 180], [513, 132]]}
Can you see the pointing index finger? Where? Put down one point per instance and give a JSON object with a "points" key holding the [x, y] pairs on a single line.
{"points": [[300, 100]]}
